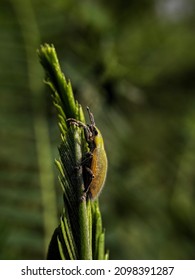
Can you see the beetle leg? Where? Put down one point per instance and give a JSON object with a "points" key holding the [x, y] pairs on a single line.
{"points": [[85, 162], [87, 131], [87, 173], [87, 159], [90, 172], [76, 122], [87, 177]]}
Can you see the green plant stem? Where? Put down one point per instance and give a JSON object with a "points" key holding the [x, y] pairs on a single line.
{"points": [[85, 246], [67, 108], [86, 252]]}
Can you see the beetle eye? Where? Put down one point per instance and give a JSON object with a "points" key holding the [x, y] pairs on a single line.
{"points": [[95, 131]]}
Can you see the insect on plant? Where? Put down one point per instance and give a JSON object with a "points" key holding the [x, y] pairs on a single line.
{"points": [[94, 163]]}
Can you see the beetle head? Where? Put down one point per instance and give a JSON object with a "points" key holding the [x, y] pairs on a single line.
{"points": [[92, 130]]}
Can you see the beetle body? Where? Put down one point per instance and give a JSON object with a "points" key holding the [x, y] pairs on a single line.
{"points": [[98, 166], [95, 162]]}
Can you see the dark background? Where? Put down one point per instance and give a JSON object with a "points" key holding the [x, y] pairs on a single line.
{"points": [[133, 63]]}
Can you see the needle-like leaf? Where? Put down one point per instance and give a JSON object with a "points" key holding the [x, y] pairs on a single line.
{"points": [[79, 234]]}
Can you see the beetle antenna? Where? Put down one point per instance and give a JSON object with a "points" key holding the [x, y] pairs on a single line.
{"points": [[91, 117]]}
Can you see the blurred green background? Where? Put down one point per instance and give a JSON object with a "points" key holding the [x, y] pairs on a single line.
{"points": [[133, 63]]}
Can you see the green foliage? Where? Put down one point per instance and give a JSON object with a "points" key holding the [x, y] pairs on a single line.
{"points": [[79, 235], [134, 65]]}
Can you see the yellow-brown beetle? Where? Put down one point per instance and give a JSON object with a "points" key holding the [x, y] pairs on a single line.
{"points": [[95, 162]]}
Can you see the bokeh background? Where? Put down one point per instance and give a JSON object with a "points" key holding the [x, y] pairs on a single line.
{"points": [[133, 63]]}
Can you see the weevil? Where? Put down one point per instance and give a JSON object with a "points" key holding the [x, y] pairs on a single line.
{"points": [[95, 161]]}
